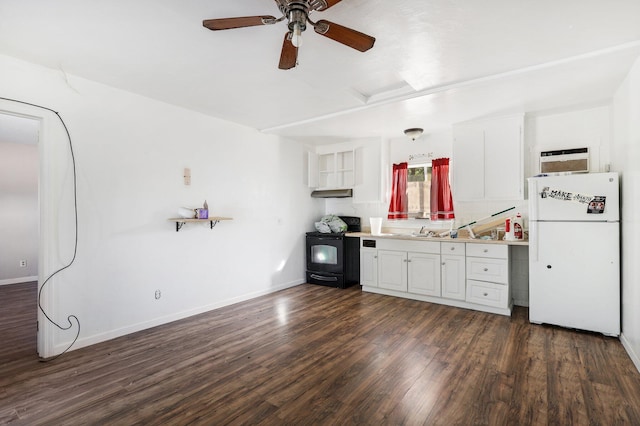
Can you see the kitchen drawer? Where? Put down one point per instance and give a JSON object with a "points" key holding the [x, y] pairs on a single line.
{"points": [[432, 247], [452, 248], [488, 294], [484, 269], [496, 251]]}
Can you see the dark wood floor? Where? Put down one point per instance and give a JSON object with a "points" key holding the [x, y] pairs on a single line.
{"points": [[317, 355]]}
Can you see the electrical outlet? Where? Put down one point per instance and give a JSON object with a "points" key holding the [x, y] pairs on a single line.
{"points": [[158, 294], [23, 263]]}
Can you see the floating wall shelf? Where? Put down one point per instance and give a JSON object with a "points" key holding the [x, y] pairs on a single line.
{"points": [[213, 221]]}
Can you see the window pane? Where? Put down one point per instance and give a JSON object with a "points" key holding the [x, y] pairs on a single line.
{"points": [[415, 174], [419, 190]]}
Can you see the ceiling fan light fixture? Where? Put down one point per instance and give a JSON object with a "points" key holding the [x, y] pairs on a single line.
{"points": [[296, 14], [296, 37], [413, 133]]}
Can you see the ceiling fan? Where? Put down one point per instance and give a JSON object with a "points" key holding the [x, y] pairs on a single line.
{"points": [[296, 12]]}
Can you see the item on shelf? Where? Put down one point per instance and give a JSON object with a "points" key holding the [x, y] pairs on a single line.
{"points": [[203, 213], [187, 213]]}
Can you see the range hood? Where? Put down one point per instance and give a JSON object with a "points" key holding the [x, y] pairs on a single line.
{"points": [[333, 193]]}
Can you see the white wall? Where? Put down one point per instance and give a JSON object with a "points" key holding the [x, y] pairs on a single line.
{"points": [[587, 127], [130, 153], [626, 161], [18, 212]]}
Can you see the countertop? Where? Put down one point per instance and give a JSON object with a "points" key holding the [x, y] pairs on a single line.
{"points": [[461, 239]]}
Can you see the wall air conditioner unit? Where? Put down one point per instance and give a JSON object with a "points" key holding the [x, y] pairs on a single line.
{"points": [[565, 161]]}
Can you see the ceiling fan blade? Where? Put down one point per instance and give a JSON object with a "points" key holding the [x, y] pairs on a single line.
{"points": [[243, 21], [289, 55], [344, 35], [321, 5]]}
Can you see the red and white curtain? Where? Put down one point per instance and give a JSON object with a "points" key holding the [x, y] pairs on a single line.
{"points": [[398, 207], [441, 199]]}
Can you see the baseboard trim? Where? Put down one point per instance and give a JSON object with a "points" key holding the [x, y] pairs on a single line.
{"points": [[18, 280], [627, 346], [113, 334]]}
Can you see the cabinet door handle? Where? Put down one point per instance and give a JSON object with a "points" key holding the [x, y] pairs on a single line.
{"points": [[486, 269], [486, 250], [485, 294], [443, 263], [452, 248]]}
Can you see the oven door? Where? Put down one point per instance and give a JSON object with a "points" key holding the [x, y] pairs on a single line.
{"points": [[325, 254]]}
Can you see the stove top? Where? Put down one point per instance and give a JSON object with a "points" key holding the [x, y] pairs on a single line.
{"points": [[353, 225], [325, 234]]}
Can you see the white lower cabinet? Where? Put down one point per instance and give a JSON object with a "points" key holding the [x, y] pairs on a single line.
{"points": [[453, 277], [469, 275], [368, 267], [392, 270], [487, 293], [423, 273], [411, 272], [488, 275]]}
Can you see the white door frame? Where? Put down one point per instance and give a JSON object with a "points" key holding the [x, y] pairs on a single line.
{"points": [[50, 131]]}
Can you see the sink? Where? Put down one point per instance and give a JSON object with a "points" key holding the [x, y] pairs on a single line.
{"points": [[425, 235]]}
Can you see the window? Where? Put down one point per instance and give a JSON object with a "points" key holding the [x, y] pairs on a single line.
{"points": [[419, 190]]}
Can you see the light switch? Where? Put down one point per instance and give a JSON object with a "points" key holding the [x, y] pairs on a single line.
{"points": [[187, 176]]}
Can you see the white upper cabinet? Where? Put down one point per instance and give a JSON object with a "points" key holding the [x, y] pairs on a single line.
{"points": [[355, 164], [488, 161], [368, 182], [332, 170], [468, 162]]}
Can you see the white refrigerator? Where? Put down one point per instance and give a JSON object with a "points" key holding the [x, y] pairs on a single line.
{"points": [[574, 251]]}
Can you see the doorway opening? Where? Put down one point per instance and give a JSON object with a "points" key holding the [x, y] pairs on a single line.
{"points": [[19, 230]]}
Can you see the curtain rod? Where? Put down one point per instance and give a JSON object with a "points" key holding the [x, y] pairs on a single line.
{"points": [[417, 156]]}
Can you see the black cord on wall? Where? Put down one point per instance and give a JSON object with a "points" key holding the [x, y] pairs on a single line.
{"points": [[75, 246]]}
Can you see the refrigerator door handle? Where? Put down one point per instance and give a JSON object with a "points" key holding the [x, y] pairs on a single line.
{"points": [[533, 241]]}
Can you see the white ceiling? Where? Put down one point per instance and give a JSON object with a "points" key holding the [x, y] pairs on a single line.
{"points": [[435, 62]]}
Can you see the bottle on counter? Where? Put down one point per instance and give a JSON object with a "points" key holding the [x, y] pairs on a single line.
{"points": [[518, 233], [508, 229]]}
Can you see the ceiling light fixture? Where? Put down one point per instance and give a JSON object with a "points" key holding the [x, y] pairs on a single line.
{"points": [[296, 38], [296, 13], [297, 23], [414, 133]]}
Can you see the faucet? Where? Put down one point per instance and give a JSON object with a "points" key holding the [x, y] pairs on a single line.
{"points": [[422, 229]]}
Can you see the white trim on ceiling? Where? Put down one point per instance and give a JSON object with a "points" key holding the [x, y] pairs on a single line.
{"points": [[460, 85]]}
